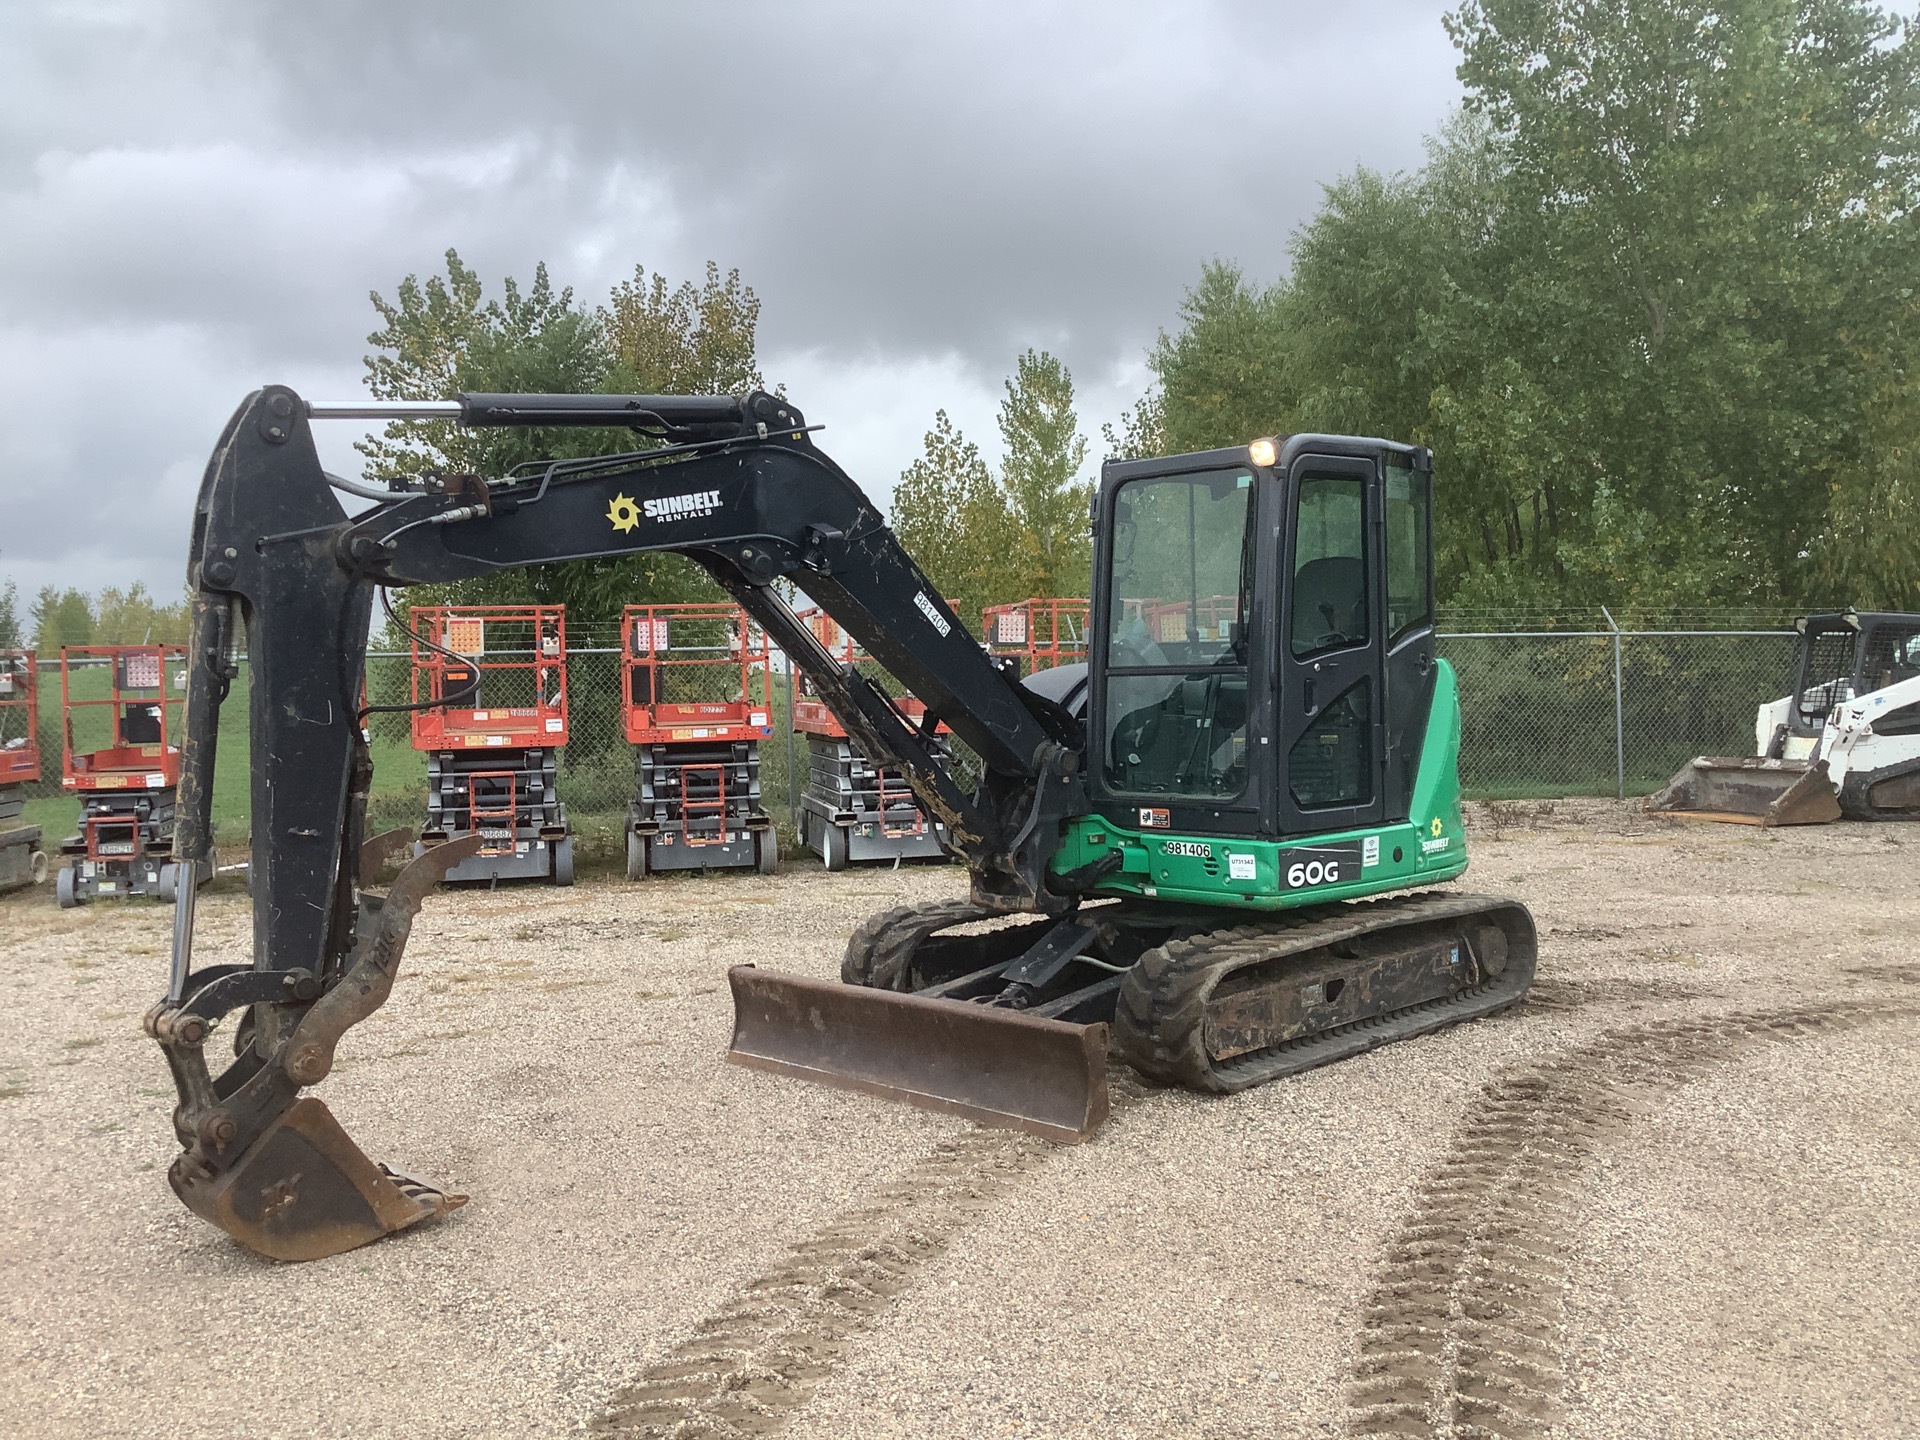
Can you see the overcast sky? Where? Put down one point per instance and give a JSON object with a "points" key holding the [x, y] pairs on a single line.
{"points": [[195, 200]]}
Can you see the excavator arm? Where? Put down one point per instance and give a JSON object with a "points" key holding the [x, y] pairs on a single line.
{"points": [[278, 568]]}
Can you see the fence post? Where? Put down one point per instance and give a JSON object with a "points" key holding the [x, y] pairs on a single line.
{"points": [[1619, 710]]}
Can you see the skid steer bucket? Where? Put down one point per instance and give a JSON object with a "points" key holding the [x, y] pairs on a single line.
{"points": [[1745, 790], [998, 1066]]}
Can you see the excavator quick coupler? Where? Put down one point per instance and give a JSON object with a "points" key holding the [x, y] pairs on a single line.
{"points": [[269, 1166]]}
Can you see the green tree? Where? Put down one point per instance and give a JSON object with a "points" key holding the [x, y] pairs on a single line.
{"points": [[1142, 431], [60, 617], [1708, 211], [1045, 500], [986, 539], [949, 516], [10, 633], [684, 341], [444, 336], [1651, 300], [1222, 376], [133, 617]]}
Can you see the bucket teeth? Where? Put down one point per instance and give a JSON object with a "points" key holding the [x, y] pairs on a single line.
{"points": [[428, 1196]]}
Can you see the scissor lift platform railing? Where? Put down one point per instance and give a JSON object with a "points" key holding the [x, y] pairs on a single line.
{"points": [[122, 708], [854, 811], [1040, 634], [695, 701], [23, 859], [492, 681]]}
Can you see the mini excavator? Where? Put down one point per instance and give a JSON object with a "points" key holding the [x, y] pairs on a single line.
{"points": [[1173, 848]]}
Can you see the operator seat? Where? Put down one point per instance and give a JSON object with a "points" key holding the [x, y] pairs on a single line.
{"points": [[1329, 598]]}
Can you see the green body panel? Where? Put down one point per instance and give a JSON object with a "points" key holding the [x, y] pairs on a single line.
{"points": [[1431, 844]]}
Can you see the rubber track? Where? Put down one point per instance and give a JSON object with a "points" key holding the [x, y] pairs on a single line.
{"points": [[763, 1353], [1159, 1021], [1462, 1335], [878, 952]]}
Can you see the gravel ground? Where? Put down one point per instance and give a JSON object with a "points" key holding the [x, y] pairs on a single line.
{"points": [[1673, 1194]]}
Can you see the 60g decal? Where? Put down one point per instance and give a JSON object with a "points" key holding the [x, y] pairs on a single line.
{"points": [[1313, 872], [1306, 866]]}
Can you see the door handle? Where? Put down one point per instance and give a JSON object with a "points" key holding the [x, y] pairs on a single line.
{"points": [[1309, 698]]}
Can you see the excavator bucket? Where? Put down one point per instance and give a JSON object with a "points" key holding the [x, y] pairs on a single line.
{"points": [[301, 1189], [994, 1065], [1745, 790], [305, 1191]]}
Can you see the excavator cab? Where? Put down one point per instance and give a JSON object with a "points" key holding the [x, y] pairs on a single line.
{"points": [[1268, 663]]}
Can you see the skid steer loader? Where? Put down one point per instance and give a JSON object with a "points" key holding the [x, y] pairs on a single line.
{"points": [[1174, 849], [1846, 742]]}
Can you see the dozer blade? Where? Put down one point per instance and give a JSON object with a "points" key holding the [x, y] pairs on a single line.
{"points": [[997, 1066], [305, 1191], [1744, 790]]}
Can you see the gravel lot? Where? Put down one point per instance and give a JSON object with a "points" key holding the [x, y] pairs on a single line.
{"points": [[1675, 1194]]}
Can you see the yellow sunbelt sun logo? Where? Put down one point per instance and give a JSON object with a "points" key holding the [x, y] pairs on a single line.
{"points": [[623, 515], [1435, 828]]}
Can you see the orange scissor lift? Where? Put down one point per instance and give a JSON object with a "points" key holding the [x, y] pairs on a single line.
{"points": [[493, 723], [853, 810], [1041, 634], [695, 700], [22, 859], [121, 707]]}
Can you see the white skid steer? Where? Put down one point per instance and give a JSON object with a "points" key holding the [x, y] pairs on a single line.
{"points": [[1845, 743]]}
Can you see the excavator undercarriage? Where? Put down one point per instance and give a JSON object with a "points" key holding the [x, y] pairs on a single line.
{"points": [[1013, 1024]]}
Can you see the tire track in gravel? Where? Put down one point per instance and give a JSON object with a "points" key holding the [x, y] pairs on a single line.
{"points": [[758, 1358], [1462, 1332]]}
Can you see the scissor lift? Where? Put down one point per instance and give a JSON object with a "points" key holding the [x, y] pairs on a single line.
{"points": [[695, 696], [121, 708], [1040, 634], [23, 860], [493, 746], [854, 811]]}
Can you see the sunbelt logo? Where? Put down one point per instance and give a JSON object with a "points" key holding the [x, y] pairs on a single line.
{"points": [[674, 507]]}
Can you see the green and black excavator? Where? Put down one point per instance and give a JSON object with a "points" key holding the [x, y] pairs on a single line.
{"points": [[1174, 849]]}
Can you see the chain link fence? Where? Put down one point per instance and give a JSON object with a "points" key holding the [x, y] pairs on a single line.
{"points": [[1607, 712], [1545, 712]]}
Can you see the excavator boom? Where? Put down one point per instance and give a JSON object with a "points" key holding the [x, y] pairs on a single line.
{"points": [[280, 570]]}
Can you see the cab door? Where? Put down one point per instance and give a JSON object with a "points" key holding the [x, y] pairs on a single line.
{"points": [[1330, 661]]}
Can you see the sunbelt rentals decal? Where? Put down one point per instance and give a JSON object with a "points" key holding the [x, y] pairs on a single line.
{"points": [[624, 514]]}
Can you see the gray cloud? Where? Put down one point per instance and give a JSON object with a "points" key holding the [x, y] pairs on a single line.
{"points": [[198, 198]]}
